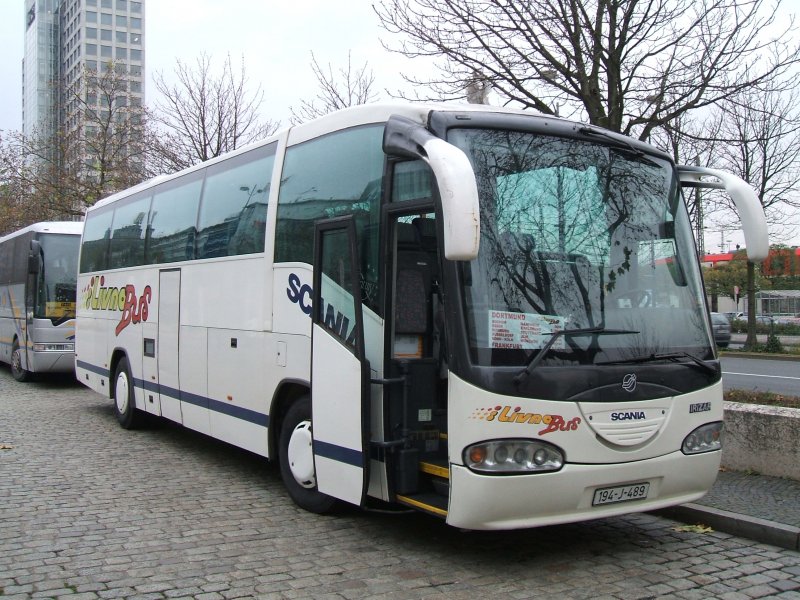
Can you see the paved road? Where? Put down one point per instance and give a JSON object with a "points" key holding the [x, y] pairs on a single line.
{"points": [[778, 376], [88, 510]]}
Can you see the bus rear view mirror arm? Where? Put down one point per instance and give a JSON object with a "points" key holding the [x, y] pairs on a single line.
{"points": [[751, 213], [458, 191]]}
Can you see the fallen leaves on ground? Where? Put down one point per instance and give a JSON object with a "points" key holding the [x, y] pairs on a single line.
{"points": [[693, 529]]}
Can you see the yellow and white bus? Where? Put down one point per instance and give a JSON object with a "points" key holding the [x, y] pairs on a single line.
{"points": [[489, 315], [38, 275]]}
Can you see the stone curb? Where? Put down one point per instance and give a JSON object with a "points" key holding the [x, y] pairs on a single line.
{"points": [[753, 528], [762, 355]]}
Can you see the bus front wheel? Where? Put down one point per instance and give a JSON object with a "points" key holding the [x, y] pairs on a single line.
{"points": [[17, 371], [124, 403], [297, 460]]}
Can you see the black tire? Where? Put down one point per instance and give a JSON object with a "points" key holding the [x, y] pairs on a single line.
{"points": [[128, 415], [302, 489], [17, 372]]}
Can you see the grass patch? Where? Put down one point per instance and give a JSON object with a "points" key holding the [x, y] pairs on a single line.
{"points": [[766, 398]]}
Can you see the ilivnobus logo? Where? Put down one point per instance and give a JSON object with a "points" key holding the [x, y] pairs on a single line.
{"points": [[96, 296]]}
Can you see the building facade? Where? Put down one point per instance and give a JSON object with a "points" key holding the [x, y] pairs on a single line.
{"points": [[71, 47]]}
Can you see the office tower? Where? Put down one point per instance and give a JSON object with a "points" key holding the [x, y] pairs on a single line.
{"points": [[73, 49]]}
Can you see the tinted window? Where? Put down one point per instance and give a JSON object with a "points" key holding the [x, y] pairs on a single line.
{"points": [[22, 248], [96, 233], [412, 181], [233, 213], [172, 220], [6, 260], [335, 175], [127, 238]]}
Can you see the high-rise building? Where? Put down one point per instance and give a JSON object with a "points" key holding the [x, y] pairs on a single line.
{"points": [[83, 60]]}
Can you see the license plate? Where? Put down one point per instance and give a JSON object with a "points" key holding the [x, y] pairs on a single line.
{"points": [[622, 493]]}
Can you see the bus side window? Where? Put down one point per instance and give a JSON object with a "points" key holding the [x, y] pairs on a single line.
{"points": [[345, 180], [96, 233], [173, 218], [233, 209], [127, 236]]}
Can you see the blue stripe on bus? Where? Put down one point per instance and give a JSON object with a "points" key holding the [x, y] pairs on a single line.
{"points": [[339, 453], [245, 414], [92, 368]]}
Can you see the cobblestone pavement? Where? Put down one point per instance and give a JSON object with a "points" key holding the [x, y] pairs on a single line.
{"points": [[773, 498], [89, 510]]}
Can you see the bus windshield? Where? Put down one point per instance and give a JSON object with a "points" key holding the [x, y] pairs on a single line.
{"points": [[577, 235], [58, 277]]}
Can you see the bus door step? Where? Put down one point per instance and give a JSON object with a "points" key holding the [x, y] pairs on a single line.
{"points": [[437, 468], [431, 503]]}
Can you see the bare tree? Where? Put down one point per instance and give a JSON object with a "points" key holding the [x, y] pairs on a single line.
{"points": [[99, 149], [15, 208], [692, 141], [762, 131], [203, 116], [350, 87], [627, 65]]}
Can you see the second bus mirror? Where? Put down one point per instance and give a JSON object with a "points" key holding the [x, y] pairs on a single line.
{"points": [[34, 260]]}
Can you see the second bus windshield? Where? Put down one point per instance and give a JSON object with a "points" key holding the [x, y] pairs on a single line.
{"points": [[58, 277], [577, 235]]}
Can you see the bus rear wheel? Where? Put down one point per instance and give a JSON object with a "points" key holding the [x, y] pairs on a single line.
{"points": [[297, 460], [17, 371], [124, 402]]}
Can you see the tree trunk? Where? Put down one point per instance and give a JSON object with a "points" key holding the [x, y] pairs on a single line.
{"points": [[751, 343]]}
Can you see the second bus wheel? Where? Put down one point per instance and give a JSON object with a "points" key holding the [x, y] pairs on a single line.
{"points": [[17, 372], [297, 460], [124, 402]]}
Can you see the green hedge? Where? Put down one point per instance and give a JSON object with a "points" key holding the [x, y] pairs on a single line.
{"points": [[740, 326]]}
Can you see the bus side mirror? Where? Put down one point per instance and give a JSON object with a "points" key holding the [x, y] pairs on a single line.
{"points": [[34, 260], [751, 213], [458, 192]]}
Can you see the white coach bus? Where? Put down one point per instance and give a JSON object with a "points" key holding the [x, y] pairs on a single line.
{"points": [[38, 275], [489, 315]]}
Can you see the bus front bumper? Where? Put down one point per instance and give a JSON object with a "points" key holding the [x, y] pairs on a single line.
{"points": [[52, 358], [512, 502]]}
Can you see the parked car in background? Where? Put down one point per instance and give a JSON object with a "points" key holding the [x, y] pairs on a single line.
{"points": [[722, 329], [786, 319], [733, 316]]}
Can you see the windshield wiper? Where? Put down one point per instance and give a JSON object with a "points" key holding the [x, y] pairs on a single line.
{"points": [[673, 356], [537, 358]]}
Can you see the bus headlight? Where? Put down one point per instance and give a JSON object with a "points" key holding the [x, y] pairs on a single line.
{"points": [[705, 438], [513, 457]]}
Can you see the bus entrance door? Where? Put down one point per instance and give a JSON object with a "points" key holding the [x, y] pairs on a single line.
{"points": [[168, 332], [339, 369]]}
